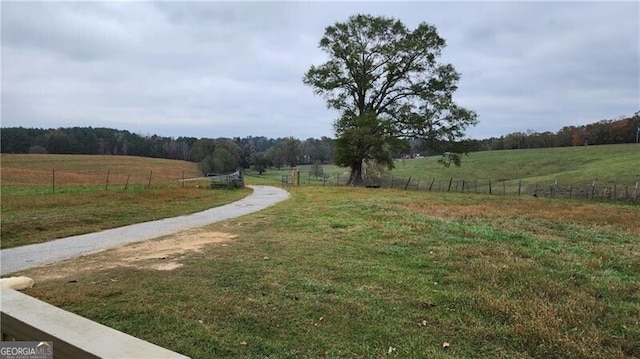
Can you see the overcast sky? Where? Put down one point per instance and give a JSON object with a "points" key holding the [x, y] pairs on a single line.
{"points": [[225, 69]]}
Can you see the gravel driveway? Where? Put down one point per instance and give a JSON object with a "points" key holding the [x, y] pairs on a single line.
{"points": [[35, 255]]}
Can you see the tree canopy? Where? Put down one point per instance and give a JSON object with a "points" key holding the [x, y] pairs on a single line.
{"points": [[389, 87]]}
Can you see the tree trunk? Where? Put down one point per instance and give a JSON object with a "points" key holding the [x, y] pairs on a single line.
{"points": [[355, 178]]}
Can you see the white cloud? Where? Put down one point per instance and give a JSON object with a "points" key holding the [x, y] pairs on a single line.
{"points": [[208, 69]]}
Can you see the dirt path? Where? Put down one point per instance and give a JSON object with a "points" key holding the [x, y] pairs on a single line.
{"points": [[164, 254], [36, 255]]}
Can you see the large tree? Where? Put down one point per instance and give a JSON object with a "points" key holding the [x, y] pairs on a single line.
{"points": [[389, 87]]}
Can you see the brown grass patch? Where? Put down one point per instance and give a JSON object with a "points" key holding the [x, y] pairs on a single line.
{"points": [[560, 211], [161, 254]]}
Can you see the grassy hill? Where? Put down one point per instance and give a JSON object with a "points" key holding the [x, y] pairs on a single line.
{"points": [[606, 164]]}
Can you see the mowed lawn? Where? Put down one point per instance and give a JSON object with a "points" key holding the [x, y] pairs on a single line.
{"points": [[369, 273], [45, 197]]}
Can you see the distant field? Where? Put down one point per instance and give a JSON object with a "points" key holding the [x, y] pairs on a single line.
{"points": [[40, 170], [606, 164], [89, 194], [613, 170]]}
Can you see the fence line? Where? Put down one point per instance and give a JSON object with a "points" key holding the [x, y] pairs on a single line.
{"points": [[105, 179], [591, 191]]}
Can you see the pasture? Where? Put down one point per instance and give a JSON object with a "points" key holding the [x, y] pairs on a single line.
{"points": [[606, 165], [45, 197], [338, 272], [610, 172]]}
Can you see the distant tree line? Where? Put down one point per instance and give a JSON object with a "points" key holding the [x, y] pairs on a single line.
{"points": [[220, 155], [622, 130], [224, 155]]}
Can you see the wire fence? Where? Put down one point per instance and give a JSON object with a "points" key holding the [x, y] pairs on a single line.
{"points": [[591, 190], [106, 179]]}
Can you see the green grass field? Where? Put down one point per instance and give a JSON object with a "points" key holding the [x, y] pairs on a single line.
{"points": [[607, 165], [596, 172], [339, 272]]}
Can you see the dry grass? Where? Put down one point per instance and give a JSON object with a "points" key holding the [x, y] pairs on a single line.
{"points": [[38, 170], [527, 208]]}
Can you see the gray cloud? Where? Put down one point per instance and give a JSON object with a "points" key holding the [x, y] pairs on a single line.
{"points": [[209, 69]]}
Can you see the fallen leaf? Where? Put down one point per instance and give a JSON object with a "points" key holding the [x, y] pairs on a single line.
{"points": [[243, 343], [445, 345]]}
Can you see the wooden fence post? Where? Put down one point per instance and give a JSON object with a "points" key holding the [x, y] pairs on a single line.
{"points": [[434, 179], [106, 183], [150, 174], [489, 185], [519, 187], [407, 185], [53, 181], [126, 185]]}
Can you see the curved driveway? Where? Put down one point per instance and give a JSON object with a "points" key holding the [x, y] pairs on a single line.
{"points": [[35, 255]]}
